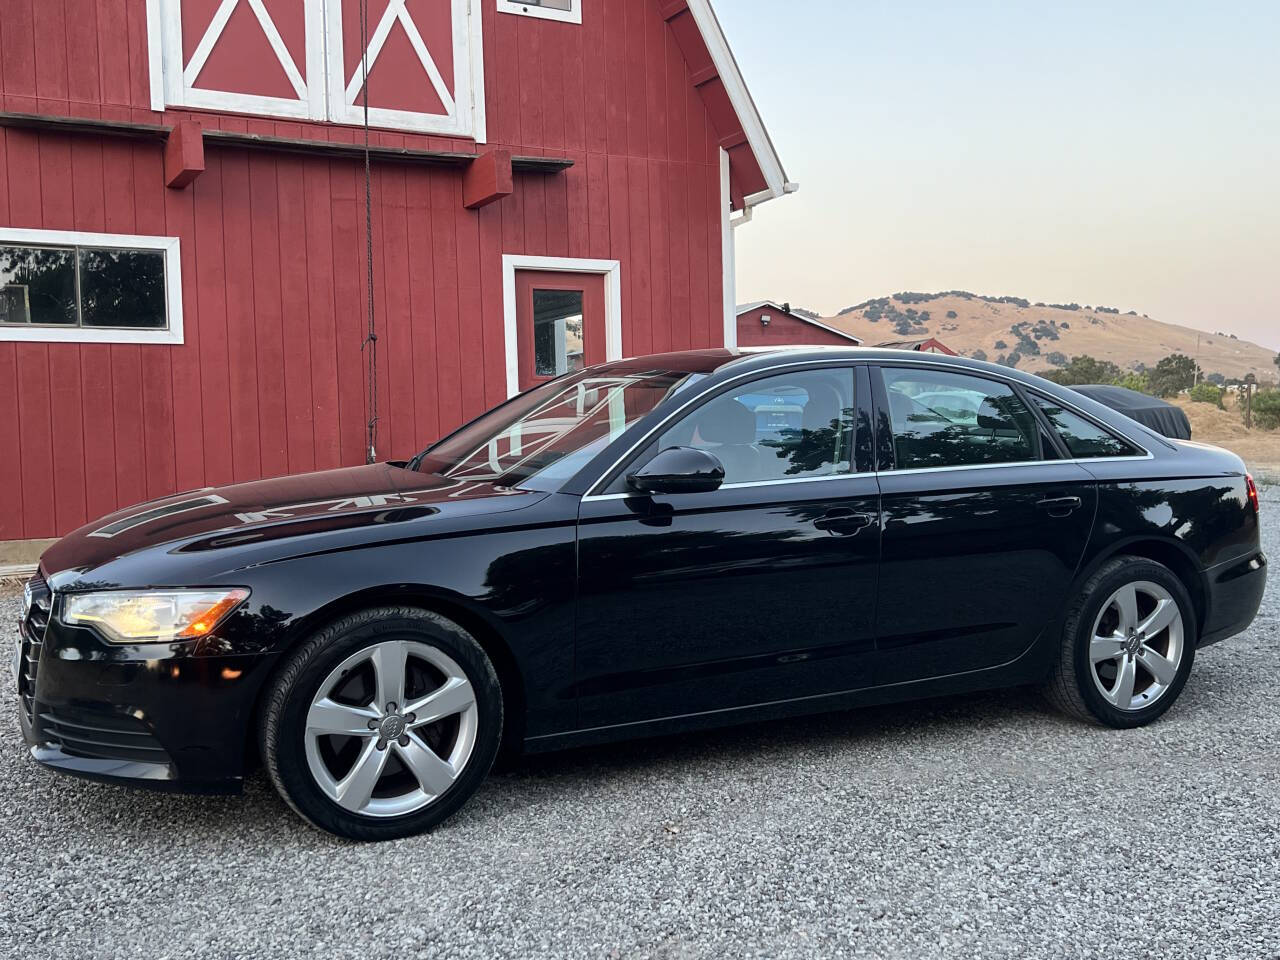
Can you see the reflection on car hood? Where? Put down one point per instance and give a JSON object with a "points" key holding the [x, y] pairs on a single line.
{"points": [[329, 500]]}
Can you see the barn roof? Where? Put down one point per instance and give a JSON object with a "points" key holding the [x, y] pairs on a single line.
{"points": [[755, 170], [920, 344]]}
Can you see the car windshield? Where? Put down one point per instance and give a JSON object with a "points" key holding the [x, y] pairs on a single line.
{"points": [[543, 437]]}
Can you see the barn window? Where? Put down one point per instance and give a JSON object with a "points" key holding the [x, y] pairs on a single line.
{"points": [[305, 59], [89, 288], [567, 11]]}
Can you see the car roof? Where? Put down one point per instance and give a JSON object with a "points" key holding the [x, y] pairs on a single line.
{"points": [[760, 358]]}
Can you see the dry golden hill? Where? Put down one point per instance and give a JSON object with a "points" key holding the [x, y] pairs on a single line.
{"points": [[968, 323]]}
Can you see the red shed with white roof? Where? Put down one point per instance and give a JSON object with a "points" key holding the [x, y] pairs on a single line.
{"points": [[766, 323]]}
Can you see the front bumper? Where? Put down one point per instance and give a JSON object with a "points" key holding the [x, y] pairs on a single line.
{"points": [[162, 716], [1235, 591]]}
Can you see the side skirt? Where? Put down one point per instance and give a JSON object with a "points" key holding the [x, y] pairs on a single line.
{"points": [[1029, 667]]}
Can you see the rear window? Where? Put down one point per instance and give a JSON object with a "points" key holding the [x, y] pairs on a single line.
{"points": [[1083, 437]]}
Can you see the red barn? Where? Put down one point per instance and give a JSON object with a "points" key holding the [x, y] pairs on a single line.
{"points": [[184, 286], [768, 324]]}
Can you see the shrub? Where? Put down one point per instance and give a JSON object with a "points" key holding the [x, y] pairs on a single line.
{"points": [[979, 354], [1058, 358], [1135, 381], [951, 314], [1001, 345], [1084, 369], [1266, 409], [1173, 374], [1207, 393]]}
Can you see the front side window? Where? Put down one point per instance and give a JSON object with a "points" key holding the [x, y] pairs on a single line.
{"points": [[545, 436], [1083, 439], [785, 427], [88, 288], [943, 419]]}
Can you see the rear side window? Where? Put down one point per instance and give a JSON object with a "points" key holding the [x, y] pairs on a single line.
{"points": [[942, 419], [1083, 438]]}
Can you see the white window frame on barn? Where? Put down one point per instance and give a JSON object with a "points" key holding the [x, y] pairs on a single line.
{"points": [[534, 9], [611, 270], [170, 334], [324, 92]]}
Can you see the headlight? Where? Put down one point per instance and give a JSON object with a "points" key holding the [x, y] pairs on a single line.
{"points": [[152, 616]]}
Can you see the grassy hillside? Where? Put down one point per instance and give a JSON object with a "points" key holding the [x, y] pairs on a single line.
{"points": [[1001, 326]]}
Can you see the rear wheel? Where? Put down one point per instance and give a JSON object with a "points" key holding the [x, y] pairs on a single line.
{"points": [[1128, 644], [383, 724]]}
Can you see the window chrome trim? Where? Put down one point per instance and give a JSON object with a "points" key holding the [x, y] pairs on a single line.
{"points": [[1011, 463], [761, 373], [879, 473], [742, 485]]}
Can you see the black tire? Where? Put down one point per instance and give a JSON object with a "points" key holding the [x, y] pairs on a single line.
{"points": [[1070, 686], [289, 695]]}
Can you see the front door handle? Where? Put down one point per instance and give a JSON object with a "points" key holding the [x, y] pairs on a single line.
{"points": [[843, 521], [1059, 506]]}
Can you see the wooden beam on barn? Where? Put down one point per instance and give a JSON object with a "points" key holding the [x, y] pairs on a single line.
{"points": [[48, 123], [487, 178], [183, 154], [82, 125]]}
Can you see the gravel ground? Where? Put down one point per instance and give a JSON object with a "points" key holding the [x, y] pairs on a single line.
{"points": [[970, 826]]}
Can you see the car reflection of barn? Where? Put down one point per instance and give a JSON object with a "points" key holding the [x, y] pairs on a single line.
{"points": [[186, 257]]}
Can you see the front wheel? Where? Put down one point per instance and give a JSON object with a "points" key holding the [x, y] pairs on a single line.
{"points": [[383, 724], [1128, 643]]}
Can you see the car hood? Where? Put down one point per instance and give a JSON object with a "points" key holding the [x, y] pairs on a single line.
{"points": [[330, 501]]}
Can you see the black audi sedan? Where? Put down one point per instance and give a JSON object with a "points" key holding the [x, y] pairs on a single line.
{"points": [[645, 547]]}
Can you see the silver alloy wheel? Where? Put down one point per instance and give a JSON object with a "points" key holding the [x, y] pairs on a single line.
{"points": [[1136, 645], [395, 770]]}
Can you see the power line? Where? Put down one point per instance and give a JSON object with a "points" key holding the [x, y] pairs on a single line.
{"points": [[369, 347]]}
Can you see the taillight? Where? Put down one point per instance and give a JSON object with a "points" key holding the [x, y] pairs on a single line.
{"points": [[1251, 489]]}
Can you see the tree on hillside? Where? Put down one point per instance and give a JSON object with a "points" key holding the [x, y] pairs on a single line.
{"points": [[1084, 369], [1173, 374]]}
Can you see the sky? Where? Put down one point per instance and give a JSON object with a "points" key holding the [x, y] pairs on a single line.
{"points": [[1124, 153]]}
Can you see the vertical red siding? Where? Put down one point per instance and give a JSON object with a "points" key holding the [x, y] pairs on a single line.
{"points": [[271, 378]]}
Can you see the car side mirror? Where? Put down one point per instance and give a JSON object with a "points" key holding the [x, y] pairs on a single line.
{"points": [[678, 470]]}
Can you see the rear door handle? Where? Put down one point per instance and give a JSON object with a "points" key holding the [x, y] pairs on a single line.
{"points": [[844, 521], [1059, 504]]}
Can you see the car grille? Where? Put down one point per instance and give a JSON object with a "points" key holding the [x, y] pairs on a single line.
{"points": [[32, 639], [100, 735]]}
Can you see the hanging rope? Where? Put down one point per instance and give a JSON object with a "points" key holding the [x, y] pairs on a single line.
{"points": [[370, 345]]}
